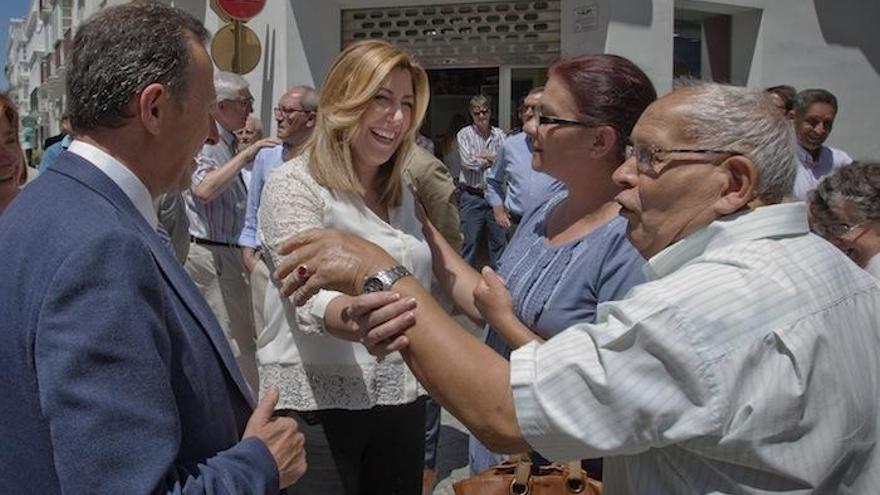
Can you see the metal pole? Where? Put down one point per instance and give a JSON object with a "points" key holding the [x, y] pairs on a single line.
{"points": [[236, 53]]}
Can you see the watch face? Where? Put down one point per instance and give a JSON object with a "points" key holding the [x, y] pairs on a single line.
{"points": [[373, 284]]}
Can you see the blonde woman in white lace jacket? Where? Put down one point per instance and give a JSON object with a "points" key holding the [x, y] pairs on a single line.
{"points": [[349, 178]]}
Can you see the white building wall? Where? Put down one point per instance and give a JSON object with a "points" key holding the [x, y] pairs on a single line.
{"points": [[805, 43], [798, 47], [819, 43]]}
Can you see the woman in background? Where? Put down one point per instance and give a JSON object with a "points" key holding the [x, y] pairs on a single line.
{"points": [[845, 209], [349, 178], [12, 168]]}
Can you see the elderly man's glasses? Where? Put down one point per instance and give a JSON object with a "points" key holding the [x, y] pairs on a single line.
{"points": [[843, 231], [647, 158], [542, 119], [480, 111], [283, 112], [248, 101]]}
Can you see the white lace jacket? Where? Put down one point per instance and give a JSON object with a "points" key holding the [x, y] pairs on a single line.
{"points": [[312, 369]]}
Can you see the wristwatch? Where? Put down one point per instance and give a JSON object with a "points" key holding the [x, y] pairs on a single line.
{"points": [[385, 279]]}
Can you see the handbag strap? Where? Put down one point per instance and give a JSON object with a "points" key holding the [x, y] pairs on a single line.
{"points": [[521, 475], [575, 477]]}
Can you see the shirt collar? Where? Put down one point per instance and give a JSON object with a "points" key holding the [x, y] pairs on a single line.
{"points": [[122, 176], [225, 135], [806, 158], [787, 219]]}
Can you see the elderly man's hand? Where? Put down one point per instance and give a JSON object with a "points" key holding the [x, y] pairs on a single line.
{"points": [[377, 320], [328, 259], [255, 147]]}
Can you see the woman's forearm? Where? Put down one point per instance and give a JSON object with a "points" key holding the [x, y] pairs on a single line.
{"points": [[515, 333], [454, 274]]}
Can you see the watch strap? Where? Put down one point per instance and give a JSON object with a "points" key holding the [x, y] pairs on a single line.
{"points": [[384, 279]]}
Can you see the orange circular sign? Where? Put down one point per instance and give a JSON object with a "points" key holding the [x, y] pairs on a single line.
{"points": [[241, 10]]}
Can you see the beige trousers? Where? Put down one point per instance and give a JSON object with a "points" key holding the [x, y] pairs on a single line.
{"points": [[259, 281], [220, 275]]}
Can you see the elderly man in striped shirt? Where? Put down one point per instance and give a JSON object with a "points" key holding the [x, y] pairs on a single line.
{"points": [[215, 205], [747, 363]]}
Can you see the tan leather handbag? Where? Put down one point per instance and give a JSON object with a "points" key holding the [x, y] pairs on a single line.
{"points": [[515, 477]]}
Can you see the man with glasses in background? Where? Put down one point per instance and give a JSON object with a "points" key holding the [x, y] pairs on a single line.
{"points": [[746, 363], [295, 117], [215, 206], [478, 144], [513, 186]]}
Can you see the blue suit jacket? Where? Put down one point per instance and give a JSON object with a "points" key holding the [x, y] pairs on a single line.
{"points": [[114, 374]]}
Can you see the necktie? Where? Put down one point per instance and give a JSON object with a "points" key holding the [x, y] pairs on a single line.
{"points": [[165, 236]]}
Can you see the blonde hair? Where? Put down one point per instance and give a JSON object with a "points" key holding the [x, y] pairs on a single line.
{"points": [[354, 79]]}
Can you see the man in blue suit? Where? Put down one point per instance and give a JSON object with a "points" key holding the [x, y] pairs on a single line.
{"points": [[116, 377]]}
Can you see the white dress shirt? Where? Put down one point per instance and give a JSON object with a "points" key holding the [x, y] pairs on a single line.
{"points": [[873, 266], [810, 172], [136, 191], [312, 368], [749, 363]]}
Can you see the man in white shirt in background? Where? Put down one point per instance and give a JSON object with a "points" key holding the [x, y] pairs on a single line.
{"points": [[216, 204], [478, 144], [747, 363], [295, 116], [814, 114]]}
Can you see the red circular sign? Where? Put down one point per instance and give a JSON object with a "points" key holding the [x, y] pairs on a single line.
{"points": [[241, 10]]}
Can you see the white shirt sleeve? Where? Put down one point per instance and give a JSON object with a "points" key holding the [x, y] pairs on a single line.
{"points": [[292, 203], [629, 382]]}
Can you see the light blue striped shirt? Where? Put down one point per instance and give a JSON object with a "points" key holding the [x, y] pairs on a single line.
{"points": [[222, 219], [749, 364]]}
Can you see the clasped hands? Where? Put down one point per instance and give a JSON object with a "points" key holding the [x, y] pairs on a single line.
{"points": [[331, 259]]}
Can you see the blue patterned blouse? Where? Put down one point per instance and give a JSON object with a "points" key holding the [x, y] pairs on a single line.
{"points": [[554, 287]]}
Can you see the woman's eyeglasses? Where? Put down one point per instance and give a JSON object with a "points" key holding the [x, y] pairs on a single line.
{"points": [[538, 112]]}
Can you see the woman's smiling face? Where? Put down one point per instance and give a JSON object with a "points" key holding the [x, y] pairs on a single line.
{"points": [[385, 122]]}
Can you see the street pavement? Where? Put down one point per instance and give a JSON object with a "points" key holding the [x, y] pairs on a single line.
{"points": [[452, 449], [452, 454]]}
